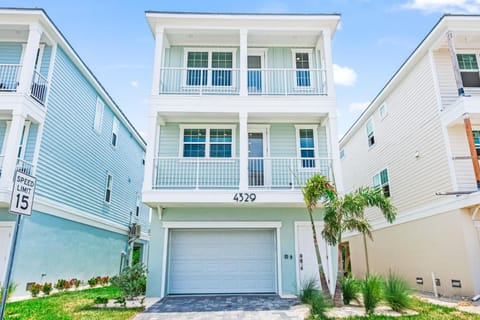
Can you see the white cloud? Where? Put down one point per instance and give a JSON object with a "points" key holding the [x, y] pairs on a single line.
{"points": [[134, 84], [444, 6], [358, 106], [344, 76]]}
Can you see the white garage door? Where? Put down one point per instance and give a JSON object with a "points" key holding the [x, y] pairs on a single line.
{"points": [[221, 261], [5, 240]]}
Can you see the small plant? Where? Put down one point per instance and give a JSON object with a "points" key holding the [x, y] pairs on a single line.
{"points": [[309, 289], [75, 283], [101, 300], [372, 292], [318, 305], [62, 285], [350, 289], [47, 288], [11, 289], [131, 281], [396, 292], [104, 280], [92, 282], [35, 289]]}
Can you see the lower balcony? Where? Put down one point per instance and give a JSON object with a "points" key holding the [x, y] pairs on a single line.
{"points": [[220, 181]]}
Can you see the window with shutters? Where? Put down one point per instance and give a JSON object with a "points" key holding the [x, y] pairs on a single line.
{"points": [[98, 122]]}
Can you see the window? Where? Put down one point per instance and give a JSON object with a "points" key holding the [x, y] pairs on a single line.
{"points": [[208, 142], [469, 70], [476, 140], [342, 154], [302, 67], [115, 132], [306, 138], [108, 189], [382, 111], [370, 132], [209, 68], [380, 180], [97, 125], [137, 206]]}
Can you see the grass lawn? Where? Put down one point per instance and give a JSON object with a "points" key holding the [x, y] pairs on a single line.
{"points": [[68, 305], [428, 311]]}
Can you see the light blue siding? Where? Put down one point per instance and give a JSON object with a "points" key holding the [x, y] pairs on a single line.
{"points": [[47, 53], [10, 52], [74, 160], [3, 130], [30, 143]]}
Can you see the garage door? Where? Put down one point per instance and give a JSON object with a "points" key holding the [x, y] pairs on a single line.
{"points": [[221, 261]]}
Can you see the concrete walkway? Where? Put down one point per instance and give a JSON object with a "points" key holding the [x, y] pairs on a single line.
{"points": [[238, 307]]}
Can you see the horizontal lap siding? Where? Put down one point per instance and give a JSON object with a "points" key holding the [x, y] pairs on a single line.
{"points": [[3, 130], [463, 167], [74, 159], [412, 125], [31, 141], [446, 78], [10, 52]]}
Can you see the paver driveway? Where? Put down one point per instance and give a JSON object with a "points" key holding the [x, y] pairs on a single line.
{"points": [[238, 307]]}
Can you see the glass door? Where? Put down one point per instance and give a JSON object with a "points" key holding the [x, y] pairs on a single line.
{"points": [[255, 83], [256, 153]]}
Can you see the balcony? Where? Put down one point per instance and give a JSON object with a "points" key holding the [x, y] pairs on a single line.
{"points": [[10, 77], [267, 82], [174, 173]]}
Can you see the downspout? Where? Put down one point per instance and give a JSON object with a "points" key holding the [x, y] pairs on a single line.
{"points": [[456, 67], [471, 145]]}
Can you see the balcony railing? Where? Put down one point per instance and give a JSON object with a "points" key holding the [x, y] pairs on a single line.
{"points": [[215, 81], [224, 173], [9, 76], [24, 166], [39, 87]]}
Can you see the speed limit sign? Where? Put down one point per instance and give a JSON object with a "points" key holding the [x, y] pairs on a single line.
{"points": [[23, 193]]}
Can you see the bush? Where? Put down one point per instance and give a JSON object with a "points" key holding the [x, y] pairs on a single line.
{"points": [[318, 305], [350, 289], [35, 289], [101, 300], [92, 282], [396, 293], [131, 281], [309, 289], [11, 289], [62, 285], [372, 292], [75, 283], [47, 288]]}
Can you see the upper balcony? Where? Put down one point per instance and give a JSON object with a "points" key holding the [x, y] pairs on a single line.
{"points": [[10, 81], [242, 55]]}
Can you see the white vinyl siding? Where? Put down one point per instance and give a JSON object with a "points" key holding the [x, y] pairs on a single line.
{"points": [[99, 110]]}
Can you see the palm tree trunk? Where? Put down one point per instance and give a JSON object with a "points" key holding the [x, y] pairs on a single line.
{"points": [[338, 297], [323, 279], [366, 253]]}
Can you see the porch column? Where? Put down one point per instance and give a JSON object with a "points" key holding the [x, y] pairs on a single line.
{"points": [[334, 152], [471, 145], [456, 67], [327, 55], [158, 60], [243, 62], [152, 151], [243, 117], [37, 146], [29, 58], [11, 149]]}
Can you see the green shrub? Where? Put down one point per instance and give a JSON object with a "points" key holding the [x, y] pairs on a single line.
{"points": [[308, 290], [372, 292], [75, 283], [62, 285], [132, 281], [101, 300], [11, 289], [35, 289], [92, 282], [396, 293], [318, 305], [47, 288], [350, 289]]}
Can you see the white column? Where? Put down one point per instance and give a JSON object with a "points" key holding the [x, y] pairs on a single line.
{"points": [[37, 146], [335, 151], [158, 60], [243, 117], [11, 149], [151, 154], [28, 66], [243, 62], [327, 54]]}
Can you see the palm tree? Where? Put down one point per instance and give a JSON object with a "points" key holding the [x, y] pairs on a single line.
{"points": [[348, 214], [318, 188]]}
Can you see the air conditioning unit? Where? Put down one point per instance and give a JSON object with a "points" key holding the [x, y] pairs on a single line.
{"points": [[135, 230]]}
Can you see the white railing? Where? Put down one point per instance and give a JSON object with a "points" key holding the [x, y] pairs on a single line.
{"points": [[9, 76], [211, 81], [24, 166], [224, 173], [39, 87], [199, 81]]}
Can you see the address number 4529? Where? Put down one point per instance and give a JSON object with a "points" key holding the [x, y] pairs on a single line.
{"points": [[245, 197]]}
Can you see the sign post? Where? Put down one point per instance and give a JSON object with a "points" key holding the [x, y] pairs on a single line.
{"points": [[21, 203]]}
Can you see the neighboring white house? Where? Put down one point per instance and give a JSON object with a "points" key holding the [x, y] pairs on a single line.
{"points": [[243, 111], [419, 140]]}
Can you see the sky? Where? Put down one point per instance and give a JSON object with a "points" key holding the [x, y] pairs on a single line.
{"points": [[374, 38]]}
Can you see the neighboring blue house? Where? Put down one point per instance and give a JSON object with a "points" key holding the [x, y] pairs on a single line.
{"points": [[243, 111], [58, 123]]}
